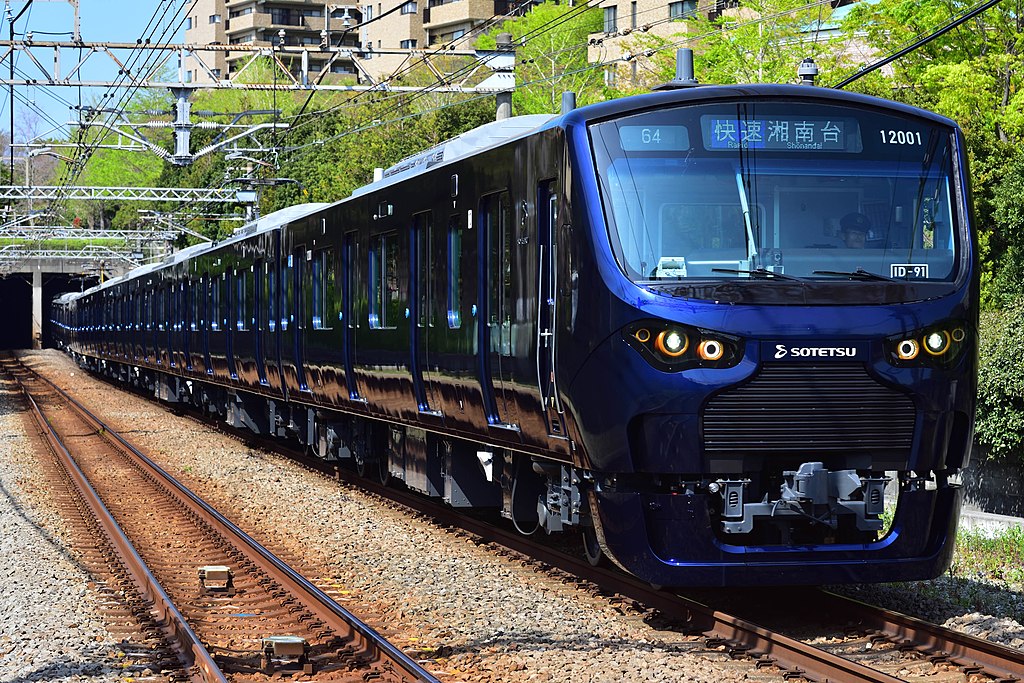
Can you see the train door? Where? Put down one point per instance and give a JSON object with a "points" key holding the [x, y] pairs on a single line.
{"points": [[425, 317], [188, 321], [259, 317], [171, 304], [230, 317], [349, 282], [272, 357], [499, 295], [547, 221], [297, 262], [209, 314]]}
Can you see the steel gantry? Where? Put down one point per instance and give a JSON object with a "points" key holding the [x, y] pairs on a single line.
{"points": [[130, 194]]}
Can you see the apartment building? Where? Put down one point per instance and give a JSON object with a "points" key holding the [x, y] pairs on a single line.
{"points": [[380, 34], [627, 22]]}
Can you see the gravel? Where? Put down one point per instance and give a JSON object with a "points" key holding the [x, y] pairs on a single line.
{"points": [[50, 629], [467, 613]]}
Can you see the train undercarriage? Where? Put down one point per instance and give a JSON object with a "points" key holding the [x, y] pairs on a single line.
{"points": [[809, 504]]}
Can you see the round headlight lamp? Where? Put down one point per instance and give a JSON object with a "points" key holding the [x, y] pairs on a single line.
{"points": [[710, 349], [908, 349], [937, 343], [672, 343]]}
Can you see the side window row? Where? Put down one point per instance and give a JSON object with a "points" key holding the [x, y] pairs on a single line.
{"points": [[258, 297]]}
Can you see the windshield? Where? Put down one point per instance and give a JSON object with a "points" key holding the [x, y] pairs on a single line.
{"points": [[773, 190]]}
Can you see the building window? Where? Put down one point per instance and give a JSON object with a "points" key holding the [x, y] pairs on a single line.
{"points": [[240, 12], [408, 8], [368, 12], [215, 73], [458, 33], [214, 18], [610, 19], [188, 23], [408, 44], [684, 9], [632, 14]]}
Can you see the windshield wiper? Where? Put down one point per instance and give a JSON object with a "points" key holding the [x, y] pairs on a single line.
{"points": [[859, 274], [758, 273]]}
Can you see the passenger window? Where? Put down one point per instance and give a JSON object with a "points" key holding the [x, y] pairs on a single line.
{"points": [[224, 312], [422, 225], [323, 272], [259, 295], [386, 290], [297, 288], [454, 273], [271, 298], [241, 300], [214, 305], [349, 255]]}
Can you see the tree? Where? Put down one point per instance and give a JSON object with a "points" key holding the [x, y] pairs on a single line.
{"points": [[1000, 422], [972, 75], [551, 56]]}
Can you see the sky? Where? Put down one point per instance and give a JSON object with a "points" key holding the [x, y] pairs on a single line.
{"points": [[100, 21]]}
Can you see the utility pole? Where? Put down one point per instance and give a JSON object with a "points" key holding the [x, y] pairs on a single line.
{"points": [[504, 97]]}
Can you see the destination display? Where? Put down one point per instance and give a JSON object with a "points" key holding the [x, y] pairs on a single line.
{"points": [[654, 138], [781, 133]]}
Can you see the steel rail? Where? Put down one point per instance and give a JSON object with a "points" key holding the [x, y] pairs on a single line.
{"points": [[199, 662], [964, 650], [319, 602], [741, 636]]}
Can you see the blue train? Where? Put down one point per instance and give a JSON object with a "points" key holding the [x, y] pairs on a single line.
{"points": [[715, 330]]}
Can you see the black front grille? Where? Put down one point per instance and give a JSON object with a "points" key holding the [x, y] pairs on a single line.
{"points": [[805, 408]]}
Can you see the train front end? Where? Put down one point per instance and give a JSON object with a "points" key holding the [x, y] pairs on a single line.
{"points": [[776, 312]]}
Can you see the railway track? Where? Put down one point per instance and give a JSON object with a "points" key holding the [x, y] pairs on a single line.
{"points": [[220, 607], [873, 644]]}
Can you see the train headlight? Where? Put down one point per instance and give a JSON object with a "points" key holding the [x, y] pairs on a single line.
{"points": [[710, 349], [672, 347], [672, 342], [937, 342], [942, 345], [908, 349]]}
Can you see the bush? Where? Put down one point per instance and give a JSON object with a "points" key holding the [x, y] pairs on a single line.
{"points": [[1000, 423]]}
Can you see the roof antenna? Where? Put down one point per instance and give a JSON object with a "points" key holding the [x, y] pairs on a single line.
{"points": [[568, 101], [807, 71], [684, 72]]}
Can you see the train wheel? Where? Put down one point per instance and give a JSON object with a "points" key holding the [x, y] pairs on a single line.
{"points": [[592, 548], [382, 471]]}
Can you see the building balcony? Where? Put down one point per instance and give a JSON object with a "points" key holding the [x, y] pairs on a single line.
{"points": [[442, 14]]}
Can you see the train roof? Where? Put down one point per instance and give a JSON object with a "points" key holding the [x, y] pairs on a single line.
{"points": [[624, 106], [277, 219], [471, 142], [262, 224]]}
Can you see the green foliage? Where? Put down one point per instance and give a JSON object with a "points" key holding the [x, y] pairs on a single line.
{"points": [[1000, 421], [554, 57], [991, 557], [972, 75], [735, 49]]}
